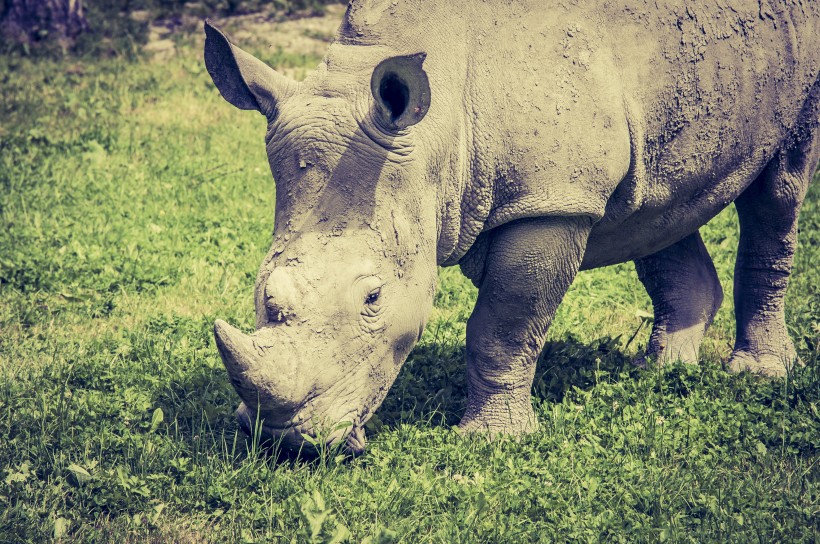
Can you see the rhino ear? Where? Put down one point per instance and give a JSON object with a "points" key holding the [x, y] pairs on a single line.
{"points": [[242, 79], [402, 90]]}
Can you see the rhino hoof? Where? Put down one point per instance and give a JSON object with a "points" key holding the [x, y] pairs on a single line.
{"points": [[769, 365]]}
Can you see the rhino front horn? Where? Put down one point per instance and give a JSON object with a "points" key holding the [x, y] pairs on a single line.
{"points": [[251, 368], [241, 360]]}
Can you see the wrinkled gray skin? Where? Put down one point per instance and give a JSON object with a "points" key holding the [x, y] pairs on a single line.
{"points": [[535, 139]]}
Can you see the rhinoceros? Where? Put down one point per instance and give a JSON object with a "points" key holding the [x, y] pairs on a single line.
{"points": [[523, 141]]}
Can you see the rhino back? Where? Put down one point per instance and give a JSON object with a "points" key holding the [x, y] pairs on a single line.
{"points": [[649, 117], [713, 94]]}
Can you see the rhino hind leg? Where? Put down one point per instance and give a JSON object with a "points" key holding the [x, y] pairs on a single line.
{"points": [[768, 212], [686, 294]]}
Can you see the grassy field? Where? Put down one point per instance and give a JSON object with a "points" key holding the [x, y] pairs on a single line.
{"points": [[135, 207]]}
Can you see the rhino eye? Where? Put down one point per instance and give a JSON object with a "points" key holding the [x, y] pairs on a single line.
{"points": [[395, 94], [373, 297]]}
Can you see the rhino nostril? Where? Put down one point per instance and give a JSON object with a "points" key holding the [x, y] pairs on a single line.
{"points": [[277, 313]]}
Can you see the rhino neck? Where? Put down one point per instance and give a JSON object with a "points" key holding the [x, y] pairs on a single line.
{"points": [[466, 185], [467, 199]]}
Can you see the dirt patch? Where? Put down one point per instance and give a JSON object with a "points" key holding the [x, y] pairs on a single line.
{"points": [[308, 35]]}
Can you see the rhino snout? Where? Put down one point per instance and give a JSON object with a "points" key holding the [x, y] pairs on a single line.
{"points": [[280, 401]]}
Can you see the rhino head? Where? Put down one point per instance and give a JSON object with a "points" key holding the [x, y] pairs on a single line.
{"points": [[347, 286]]}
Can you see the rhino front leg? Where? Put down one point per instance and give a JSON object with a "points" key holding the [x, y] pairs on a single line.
{"points": [[686, 294], [768, 212], [528, 267]]}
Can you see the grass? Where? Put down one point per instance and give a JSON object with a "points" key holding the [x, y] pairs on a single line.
{"points": [[135, 207]]}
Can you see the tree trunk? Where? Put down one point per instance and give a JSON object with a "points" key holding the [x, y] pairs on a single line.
{"points": [[27, 21]]}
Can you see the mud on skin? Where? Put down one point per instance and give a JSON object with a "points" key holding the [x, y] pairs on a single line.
{"points": [[524, 143]]}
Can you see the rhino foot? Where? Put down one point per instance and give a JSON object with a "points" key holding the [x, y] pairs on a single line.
{"points": [[508, 424], [682, 345], [686, 293], [769, 364]]}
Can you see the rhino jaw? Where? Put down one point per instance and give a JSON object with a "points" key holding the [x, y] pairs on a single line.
{"points": [[294, 439]]}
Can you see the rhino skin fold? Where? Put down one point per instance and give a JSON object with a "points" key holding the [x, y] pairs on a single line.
{"points": [[523, 141]]}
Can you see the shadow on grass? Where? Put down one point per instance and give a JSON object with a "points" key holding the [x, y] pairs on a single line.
{"points": [[431, 390], [432, 385]]}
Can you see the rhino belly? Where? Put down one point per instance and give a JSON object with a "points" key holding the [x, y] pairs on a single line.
{"points": [[631, 230]]}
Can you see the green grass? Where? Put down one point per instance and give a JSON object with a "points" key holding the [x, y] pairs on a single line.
{"points": [[135, 207]]}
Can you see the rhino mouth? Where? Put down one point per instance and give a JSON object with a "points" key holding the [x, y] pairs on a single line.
{"points": [[299, 438]]}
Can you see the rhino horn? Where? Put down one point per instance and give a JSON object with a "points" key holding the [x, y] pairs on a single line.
{"points": [[242, 79], [251, 368]]}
